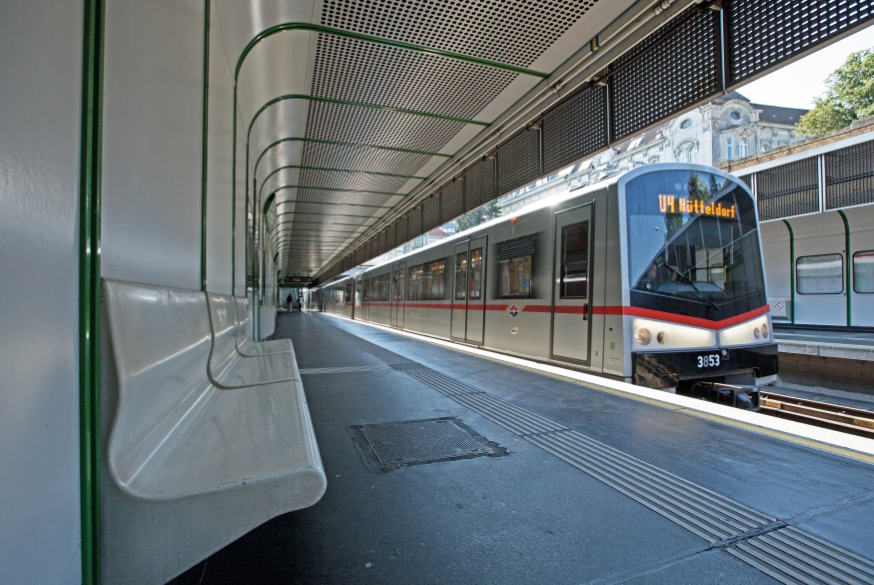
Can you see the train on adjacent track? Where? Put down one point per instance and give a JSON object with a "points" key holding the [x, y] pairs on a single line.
{"points": [[654, 277]]}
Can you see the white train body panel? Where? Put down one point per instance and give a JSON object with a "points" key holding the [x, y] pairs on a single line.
{"points": [[553, 282]]}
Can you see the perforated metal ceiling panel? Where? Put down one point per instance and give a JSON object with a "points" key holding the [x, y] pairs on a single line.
{"points": [[763, 33], [353, 70], [667, 73], [575, 128], [510, 31], [791, 189]]}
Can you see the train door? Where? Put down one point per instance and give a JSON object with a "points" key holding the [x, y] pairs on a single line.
{"points": [[468, 296], [397, 295], [571, 284]]}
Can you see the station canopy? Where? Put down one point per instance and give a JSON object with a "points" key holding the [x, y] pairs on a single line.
{"points": [[365, 123]]}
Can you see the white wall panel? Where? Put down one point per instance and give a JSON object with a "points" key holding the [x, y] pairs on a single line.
{"points": [[152, 121], [778, 264], [861, 220], [821, 233], [219, 157], [40, 96]]}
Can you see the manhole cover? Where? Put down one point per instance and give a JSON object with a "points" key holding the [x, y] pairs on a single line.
{"points": [[391, 445]]}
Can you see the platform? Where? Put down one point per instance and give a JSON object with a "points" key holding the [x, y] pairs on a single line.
{"points": [[544, 512]]}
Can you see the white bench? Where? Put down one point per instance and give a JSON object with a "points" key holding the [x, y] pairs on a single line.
{"points": [[229, 368], [245, 344], [190, 467]]}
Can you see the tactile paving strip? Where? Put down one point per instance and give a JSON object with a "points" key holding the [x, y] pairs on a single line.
{"points": [[783, 552]]}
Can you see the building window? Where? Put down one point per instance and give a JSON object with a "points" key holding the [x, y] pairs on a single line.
{"points": [[729, 150], [820, 275], [863, 272], [735, 115], [687, 152], [685, 123], [742, 148]]}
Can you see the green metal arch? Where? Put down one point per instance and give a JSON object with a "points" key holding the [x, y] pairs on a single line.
{"points": [[333, 170], [318, 28], [338, 143]]}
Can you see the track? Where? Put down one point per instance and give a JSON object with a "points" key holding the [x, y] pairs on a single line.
{"points": [[857, 421]]}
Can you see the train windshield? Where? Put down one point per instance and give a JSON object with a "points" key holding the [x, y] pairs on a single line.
{"points": [[693, 245]]}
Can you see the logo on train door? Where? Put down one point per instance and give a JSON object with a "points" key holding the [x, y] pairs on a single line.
{"points": [[513, 310]]}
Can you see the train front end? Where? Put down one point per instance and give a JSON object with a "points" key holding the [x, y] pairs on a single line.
{"points": [[695, 306]]}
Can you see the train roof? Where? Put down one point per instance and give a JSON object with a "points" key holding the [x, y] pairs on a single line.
{"points": [[553, 200]]}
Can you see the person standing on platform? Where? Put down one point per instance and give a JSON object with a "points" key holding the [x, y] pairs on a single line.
{"points": [[288, 302]]}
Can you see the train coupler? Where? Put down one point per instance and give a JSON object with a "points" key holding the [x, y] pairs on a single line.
{"points": [[744, 397]]}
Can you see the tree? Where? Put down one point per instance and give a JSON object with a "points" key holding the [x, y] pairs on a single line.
{"points": [[479, 215], [849, 96]]}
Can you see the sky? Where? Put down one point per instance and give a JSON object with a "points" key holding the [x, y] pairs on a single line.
{"points": [[798, 84]]}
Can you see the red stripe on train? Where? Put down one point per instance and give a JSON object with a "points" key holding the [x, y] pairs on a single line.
{"points": [[606, 310]]}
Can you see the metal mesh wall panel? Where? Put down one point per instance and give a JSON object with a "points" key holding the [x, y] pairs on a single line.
{"points": [[791, 189], [518, 161], [747, 180], [665, 75], [849, 176], [452, 199], [414, 228], [762, 33], [575, 128], [380, 243], [390, 233], [401, 232], [431, 213], [479, 185]]}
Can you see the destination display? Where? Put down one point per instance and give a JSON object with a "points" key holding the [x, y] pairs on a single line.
{"points": [[675, 204]]}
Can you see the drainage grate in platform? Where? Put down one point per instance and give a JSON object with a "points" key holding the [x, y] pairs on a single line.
{"points": [[416, 442], [792, 556]]}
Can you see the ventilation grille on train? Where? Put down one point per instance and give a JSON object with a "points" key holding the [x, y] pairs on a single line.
{"points": [[523, 246]]}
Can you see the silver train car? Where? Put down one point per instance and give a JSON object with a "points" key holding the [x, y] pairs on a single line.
{"points": [[654, 277]]}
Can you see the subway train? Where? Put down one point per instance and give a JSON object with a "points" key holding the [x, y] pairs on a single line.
{"points": [[654, 277]]}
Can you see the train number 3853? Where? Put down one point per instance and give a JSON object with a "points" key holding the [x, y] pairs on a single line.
{"points": [[708, 361]]}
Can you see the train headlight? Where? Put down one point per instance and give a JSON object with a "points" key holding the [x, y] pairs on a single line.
{"points": [[752, 331], [668, 335], [643, 336]]}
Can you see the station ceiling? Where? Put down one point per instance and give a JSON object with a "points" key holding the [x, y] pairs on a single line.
{"points": [[351, 113], [348, 107]]}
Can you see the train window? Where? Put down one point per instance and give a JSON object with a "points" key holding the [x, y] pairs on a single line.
{"points": [[822, 274], [427, 281], [476, 271], [417, 282], [575, 261], [863, 272], [461, 275], [438, 280], [516, 277]]}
